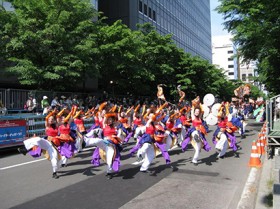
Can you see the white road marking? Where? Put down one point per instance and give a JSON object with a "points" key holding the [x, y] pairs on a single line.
{"points": [[137, 162], [35, 161], [12, 166]]}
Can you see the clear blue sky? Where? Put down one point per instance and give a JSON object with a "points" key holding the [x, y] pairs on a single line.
{"points": [[216, 20]]}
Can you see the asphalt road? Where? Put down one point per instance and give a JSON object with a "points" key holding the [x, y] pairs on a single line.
{"points": [[215, 183]]}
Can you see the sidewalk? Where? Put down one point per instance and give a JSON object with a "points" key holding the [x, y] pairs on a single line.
{"points": [[265, 198], [276, 186]]}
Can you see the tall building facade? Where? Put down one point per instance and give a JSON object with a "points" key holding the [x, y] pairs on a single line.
{"points": [[95, 3], [188, 21], [247, 71], [224, 56]]}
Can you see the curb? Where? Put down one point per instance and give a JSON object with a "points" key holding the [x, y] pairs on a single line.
{"points": [[250, 190], [276, 186], [264, 195]]}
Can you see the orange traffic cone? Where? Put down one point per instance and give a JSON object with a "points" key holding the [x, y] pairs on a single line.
{"points": [[254, 159], [260, 145], [263, 130], [263, 138]]}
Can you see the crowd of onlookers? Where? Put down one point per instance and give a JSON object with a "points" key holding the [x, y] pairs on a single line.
{"points": [[245, 108], [46, 104]]}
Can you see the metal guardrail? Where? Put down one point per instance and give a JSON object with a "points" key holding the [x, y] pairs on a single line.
{"points": [[36, 123], [273, 125], [15, 99], [273, 114]]}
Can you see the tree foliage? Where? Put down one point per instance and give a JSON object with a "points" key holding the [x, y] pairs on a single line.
{"points": [[119, 48], [55, 44], [52, 42], [5, 24], [256, 28]]}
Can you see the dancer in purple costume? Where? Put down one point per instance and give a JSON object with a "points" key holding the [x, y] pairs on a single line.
{"points": [[196, 135], [160, 142], [224, 137], [111, 145]]}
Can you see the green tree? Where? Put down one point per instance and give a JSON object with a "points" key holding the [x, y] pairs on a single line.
{"points": [[119, 48], [256, 28], [52, 42], [5, 24], [159, 59], [136, 60]]}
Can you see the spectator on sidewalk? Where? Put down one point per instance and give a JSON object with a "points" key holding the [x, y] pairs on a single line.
{"points": [[55, 102], [277, 109], [31, 104], [45, 105], [63, 101], [3, 109], [69, 102], [75, 100]]}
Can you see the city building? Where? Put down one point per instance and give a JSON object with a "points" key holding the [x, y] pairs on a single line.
{"points": [[94, 3], [247, 71], [224, 56], [188, 21], [234, 67]]}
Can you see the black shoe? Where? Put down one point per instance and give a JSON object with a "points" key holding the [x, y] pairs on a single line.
{"points": [[243, 136], [222, 157], [236, 155], [55, 176], [146, 171], [22, 150], [196, 164], [63, 165], [109, 176], [169, 166], [83, 144], [140, 158]]}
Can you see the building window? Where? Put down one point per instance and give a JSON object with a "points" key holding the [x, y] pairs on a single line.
{"points": [[140, 6], [154, 15], [230, 59], [150, 12], [230, 52], [243, 77], [250, 76], [231, 73], [145, 9], [230, 66]]}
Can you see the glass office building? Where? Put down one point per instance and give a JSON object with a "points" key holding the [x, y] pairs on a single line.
{"points": [[188, 21], [95, 3]]}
